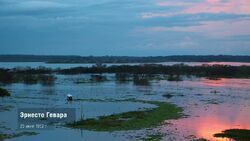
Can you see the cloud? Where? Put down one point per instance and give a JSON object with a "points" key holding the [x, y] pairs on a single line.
{"points": [[31, 5], [158, 27], [220, 6], [204, 6], [224, 28]]}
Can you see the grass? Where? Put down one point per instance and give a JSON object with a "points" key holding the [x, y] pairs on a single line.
{"points": [[15, 135], [4, 92], [131, 120], [236, 134]]}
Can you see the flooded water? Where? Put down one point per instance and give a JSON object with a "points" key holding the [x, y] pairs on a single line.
{"points": [[210, 106], [63, 66]]}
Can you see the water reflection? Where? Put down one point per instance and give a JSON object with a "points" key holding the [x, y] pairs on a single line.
{"points": [[207, 119], [217, 119], [223, 82]]}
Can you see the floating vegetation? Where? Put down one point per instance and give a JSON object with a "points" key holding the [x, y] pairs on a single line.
{"points": [[4, 92], [122, 77], [140, 79], [211, 101], [27, 75], [174, 78], [168, 95], [5, 108], [236, 134], [153, 137], [98, 78], [44, 79], [131, 120], [15, 135]]}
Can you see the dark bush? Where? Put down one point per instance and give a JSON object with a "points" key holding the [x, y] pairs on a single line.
{"points": [[4, 92]]}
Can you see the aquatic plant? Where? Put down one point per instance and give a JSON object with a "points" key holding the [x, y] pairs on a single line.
{"points": [[122, 77], [140, 79], [4, 92], [98, 78], [15, 135]]}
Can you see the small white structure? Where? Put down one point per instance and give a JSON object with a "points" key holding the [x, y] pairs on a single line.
{"points": [[69, 97]]}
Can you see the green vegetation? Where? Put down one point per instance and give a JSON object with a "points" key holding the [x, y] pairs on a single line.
{"points": [[131, 120], [4, 92], [15, 135], [236, 134]]}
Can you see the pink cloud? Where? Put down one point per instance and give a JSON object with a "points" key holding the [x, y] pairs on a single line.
{"points": [[218, 6], [209, 6]]}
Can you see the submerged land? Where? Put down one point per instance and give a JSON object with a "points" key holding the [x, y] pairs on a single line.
{"points": [[164, 96]]}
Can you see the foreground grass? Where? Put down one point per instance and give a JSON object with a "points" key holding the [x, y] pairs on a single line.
{"points": [[131, 120], [15, 135], [236, 134]]}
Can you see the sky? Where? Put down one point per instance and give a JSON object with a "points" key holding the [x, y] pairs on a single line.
{"points": [[125, 27]]}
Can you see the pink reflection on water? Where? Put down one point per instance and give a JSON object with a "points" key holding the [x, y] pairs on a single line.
{"points": [[222, 82], [215, 120], [206, 119]]}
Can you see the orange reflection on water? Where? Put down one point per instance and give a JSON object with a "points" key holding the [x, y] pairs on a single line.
{"points": [[215, 83], [216, 120], [224, 82]]}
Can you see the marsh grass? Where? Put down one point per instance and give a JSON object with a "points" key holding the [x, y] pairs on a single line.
{"points": [[15, 135], [131, 120], [141, 79], [236, 134]]}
